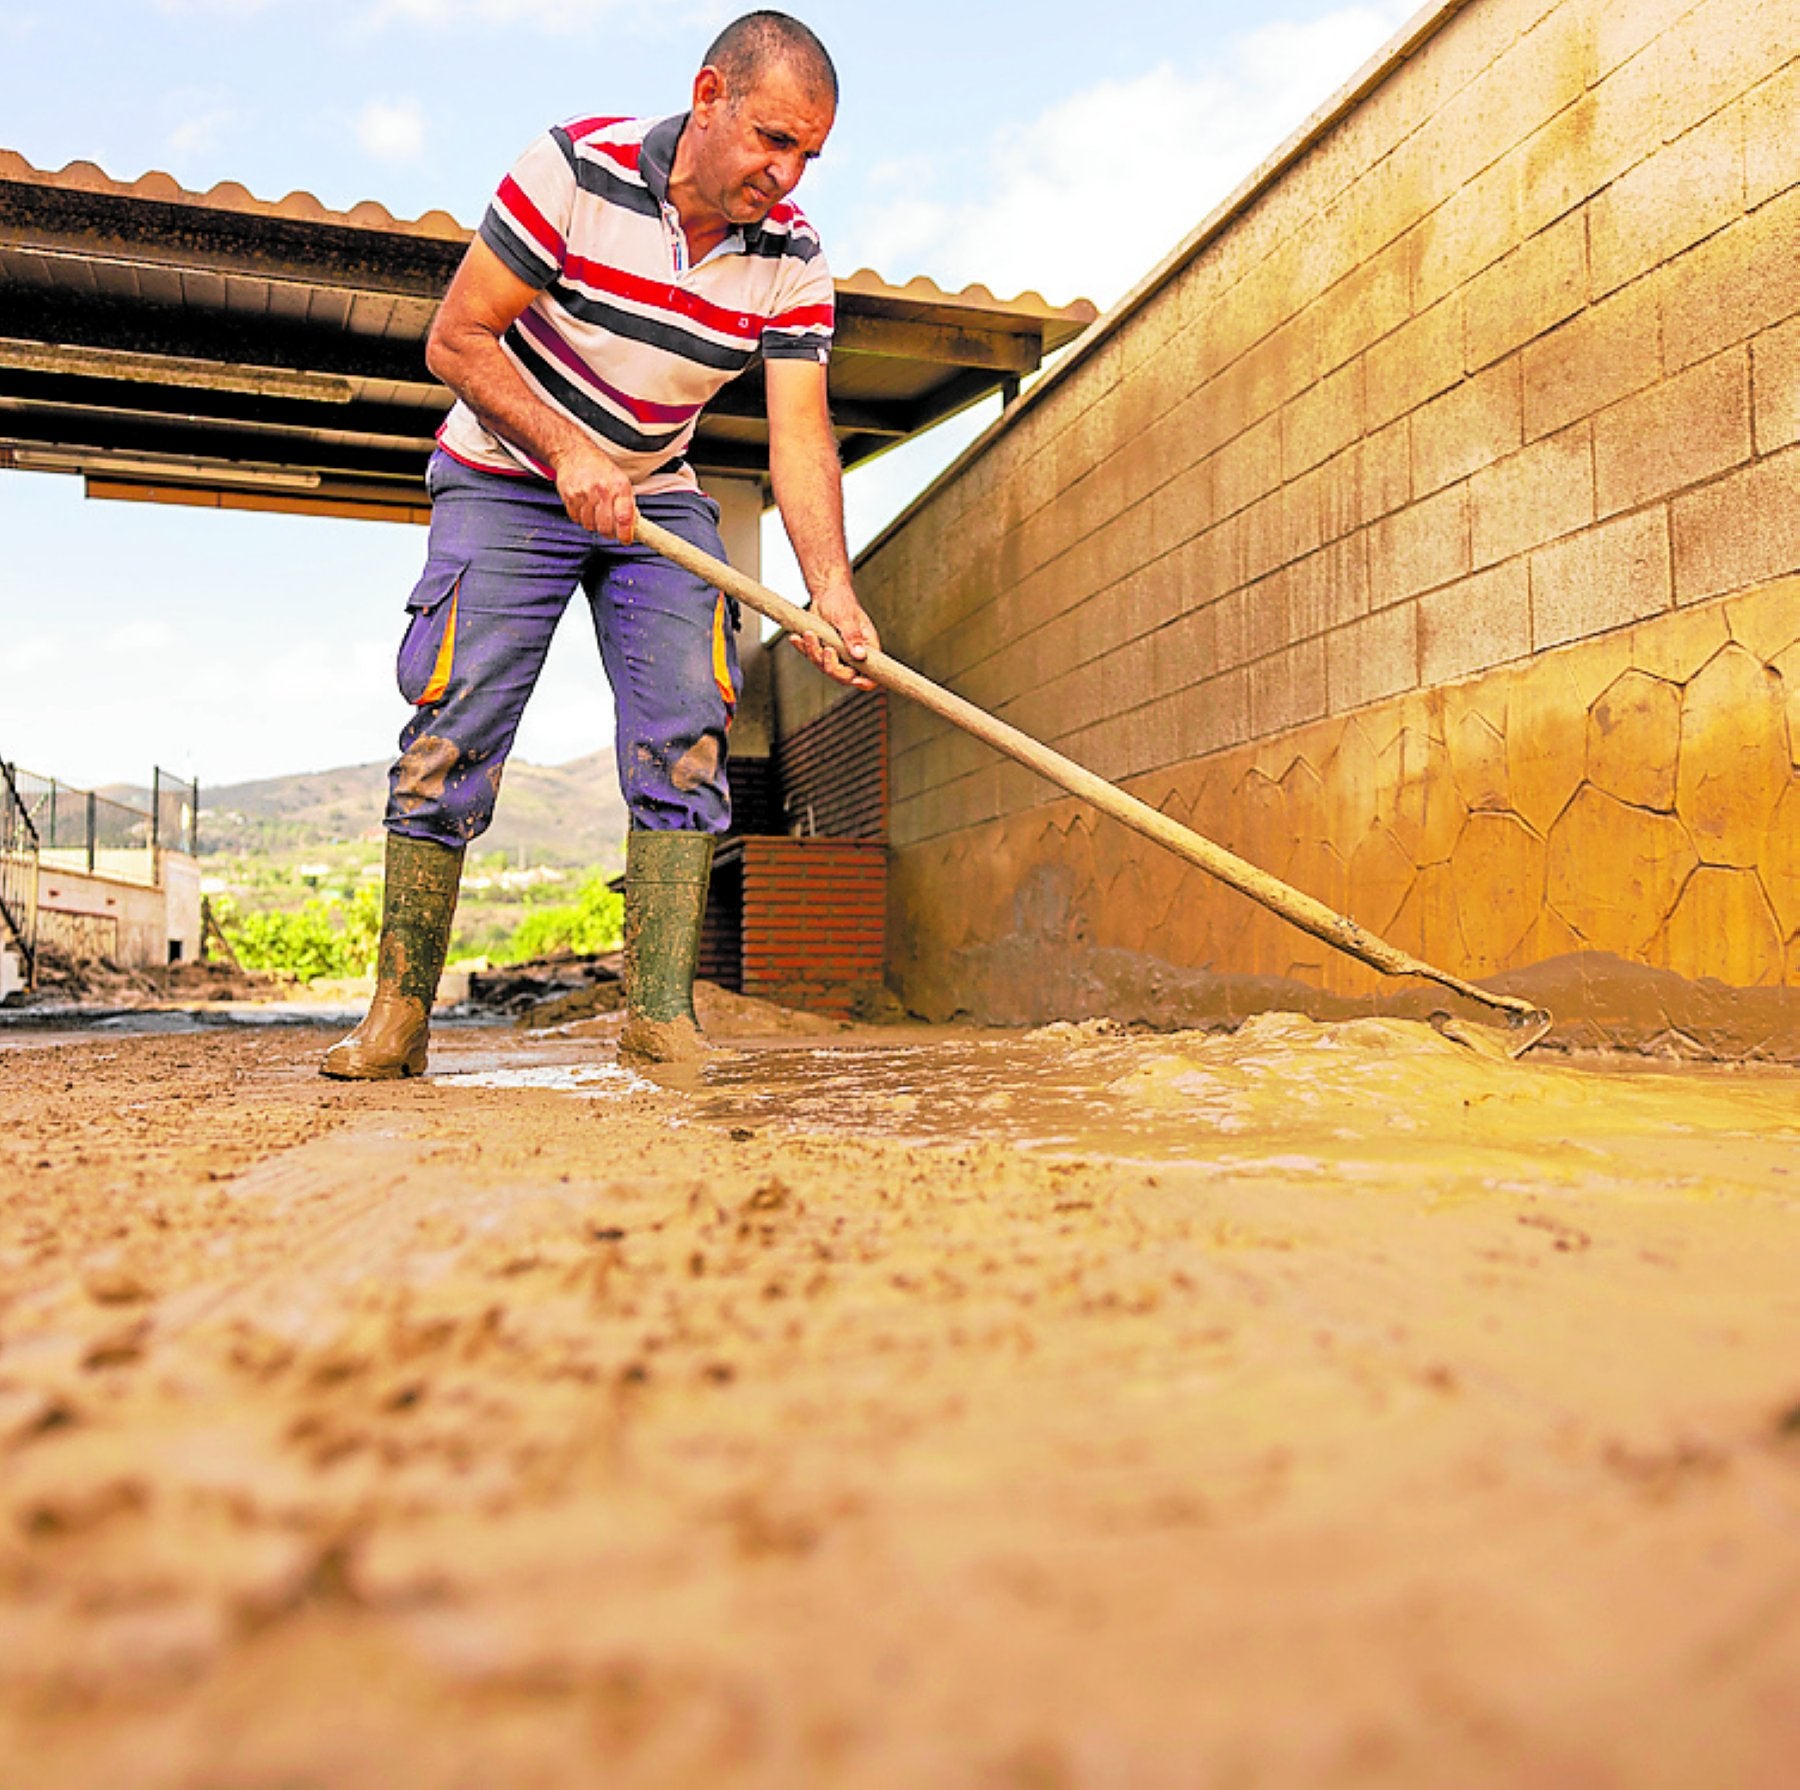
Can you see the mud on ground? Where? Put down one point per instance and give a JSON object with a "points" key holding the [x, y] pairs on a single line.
{"points": [[1312, 1406]]}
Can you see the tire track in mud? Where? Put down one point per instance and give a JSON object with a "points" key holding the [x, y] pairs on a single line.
{"points": [[353, 1200]]}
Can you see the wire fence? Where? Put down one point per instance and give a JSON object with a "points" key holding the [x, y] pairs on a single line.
{"points": [[175, 812], [18, 873], [80, 829]]}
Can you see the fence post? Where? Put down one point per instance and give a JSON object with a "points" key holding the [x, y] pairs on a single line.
{"points": [[93, 821], [194, 817], [155, 810]]}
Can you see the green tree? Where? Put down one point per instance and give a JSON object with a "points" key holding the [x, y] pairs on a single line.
{"points": [[594, 921], [322, 937]]}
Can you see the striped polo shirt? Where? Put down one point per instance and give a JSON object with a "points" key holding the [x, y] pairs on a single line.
{"points": [[625, 338]]}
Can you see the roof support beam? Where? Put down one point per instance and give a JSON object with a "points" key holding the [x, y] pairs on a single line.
{"points": [[956, 345], [204, 444], [214, 338], [179, 371], [27, 393]]}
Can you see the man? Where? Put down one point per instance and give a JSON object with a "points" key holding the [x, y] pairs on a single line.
{"points": [[624, 272]]}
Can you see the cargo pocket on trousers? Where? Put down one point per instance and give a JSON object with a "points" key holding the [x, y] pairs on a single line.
{"points": [[428, 651]]}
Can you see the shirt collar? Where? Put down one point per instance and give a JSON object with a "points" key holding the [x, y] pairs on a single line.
{"points": [[656, 162], [656, 158]]}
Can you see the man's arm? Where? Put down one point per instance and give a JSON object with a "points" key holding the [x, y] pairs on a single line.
{"points": [[809, 491], [463, 350]]}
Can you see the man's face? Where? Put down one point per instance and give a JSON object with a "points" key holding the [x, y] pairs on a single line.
{"points": [[754, 146]]}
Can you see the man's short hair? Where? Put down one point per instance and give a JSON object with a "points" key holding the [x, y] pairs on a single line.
{"points": [[749, 46]]}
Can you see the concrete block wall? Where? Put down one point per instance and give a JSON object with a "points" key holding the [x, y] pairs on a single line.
{"points": [[1505, 358]]}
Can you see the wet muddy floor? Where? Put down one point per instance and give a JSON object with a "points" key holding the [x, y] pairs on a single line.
{"points": [[1310, 1406]]}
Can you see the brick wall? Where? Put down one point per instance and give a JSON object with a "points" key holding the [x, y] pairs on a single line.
{"points": [[815, 913], [1502, 359], [834, 770], [798, 921]]}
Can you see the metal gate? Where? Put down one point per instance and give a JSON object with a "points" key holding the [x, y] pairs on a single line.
{"points": [[18, 873]]}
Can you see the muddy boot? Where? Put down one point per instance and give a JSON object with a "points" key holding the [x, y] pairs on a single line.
{"points": [[418, 904], [665, 901]]}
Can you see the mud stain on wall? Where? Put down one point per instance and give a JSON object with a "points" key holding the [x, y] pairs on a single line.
{"points": [[1614, 826]]}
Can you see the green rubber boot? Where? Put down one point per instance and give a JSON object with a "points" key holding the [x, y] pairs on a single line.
{"points": [[418, 903], [666, 876]]}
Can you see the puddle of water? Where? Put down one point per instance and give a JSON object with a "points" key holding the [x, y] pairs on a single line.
{"points": [[592, 1079], [1281, 1093], [159, 1020]]}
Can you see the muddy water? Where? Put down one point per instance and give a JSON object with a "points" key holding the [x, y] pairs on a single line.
{"points": [[1282, 1093], [1305, 1406]]}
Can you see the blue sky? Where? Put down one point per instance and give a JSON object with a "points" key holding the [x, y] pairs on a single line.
{"points": [[1023, 148]]}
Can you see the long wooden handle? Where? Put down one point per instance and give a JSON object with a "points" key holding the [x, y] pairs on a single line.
{"points": [[1270, 891]]}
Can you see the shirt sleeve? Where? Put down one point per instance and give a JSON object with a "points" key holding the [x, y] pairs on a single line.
{"points": [[800, 328], [527, 225]]}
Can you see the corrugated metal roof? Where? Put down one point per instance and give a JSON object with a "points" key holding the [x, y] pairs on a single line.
{"points": [[272, 351]]}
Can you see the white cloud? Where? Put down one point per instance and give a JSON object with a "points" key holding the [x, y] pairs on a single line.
{"points": [[1084, 199], [200, 128], [137, 641], [236, 10], [552, 16], [392, 130], [37, 652], [212, 709]]}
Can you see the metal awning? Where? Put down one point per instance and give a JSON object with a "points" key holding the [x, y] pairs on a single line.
{"points": [[217, 349]]}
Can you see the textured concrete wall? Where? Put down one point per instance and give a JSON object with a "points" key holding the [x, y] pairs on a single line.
{"points": [[88, 916], [1504, 361]]}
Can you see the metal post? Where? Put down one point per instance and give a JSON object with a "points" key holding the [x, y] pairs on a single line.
{"points": [[155, 810], [93, 820], [194, 818]]}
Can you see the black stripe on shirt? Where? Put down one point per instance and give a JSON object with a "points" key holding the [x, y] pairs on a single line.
{"points": [[773, 244], [653, 332], [527, 261], [592, 178], [783, 347], [583, 408]]}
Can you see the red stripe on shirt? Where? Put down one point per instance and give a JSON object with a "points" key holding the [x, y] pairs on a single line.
{"points": [[513, 197], [491, 471], [625, 154], [805, 317], [745, 325], [585, 127]]}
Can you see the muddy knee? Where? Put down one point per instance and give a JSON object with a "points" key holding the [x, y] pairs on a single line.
{"points": [[437, 789]]}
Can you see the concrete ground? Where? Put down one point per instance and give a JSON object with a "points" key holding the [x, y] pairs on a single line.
{"points": [[1312, 1406]]}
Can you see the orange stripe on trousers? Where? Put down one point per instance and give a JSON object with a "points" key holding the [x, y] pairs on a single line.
{"points": [[721, 663], [440, 672]]}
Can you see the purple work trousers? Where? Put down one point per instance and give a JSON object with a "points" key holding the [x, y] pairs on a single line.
{"points": [[503, 560]]}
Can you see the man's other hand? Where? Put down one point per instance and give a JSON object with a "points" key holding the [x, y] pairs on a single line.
{"points": [[838, 605], [595, 492]]}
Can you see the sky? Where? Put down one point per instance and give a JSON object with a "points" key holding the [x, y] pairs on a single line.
{"points": [[1021, 148]]}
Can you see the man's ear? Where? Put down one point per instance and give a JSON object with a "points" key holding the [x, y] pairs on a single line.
{"points": [[709, 93]]}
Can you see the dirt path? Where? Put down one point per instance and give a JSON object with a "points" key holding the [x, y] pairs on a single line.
{"points": [[1311, 1407]]}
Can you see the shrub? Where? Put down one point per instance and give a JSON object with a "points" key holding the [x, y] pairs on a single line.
{"points": [[594, 921], [323, 937]]}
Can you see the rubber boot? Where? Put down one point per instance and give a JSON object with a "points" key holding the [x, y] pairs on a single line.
{"points": [[418, 903], [666, 876]]}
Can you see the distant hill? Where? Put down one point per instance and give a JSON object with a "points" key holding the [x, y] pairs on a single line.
{"points": [[555, 814]]}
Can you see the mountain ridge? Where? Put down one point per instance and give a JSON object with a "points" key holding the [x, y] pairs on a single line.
{"points": [[553, 814]]}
